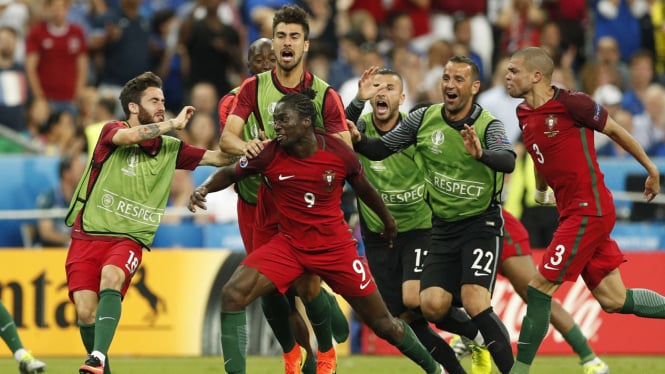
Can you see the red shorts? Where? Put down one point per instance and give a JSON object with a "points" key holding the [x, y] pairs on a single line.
{"points": [[246, 220], [341, 268], [582, 246], [86, 258], [266, 224], [515, 238]]}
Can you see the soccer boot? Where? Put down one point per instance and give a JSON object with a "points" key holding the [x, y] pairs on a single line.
{"points": [[30, 365], [293, 360], [481, 360], [596, 366], [461, 346], [92, 365], [326, 362]]}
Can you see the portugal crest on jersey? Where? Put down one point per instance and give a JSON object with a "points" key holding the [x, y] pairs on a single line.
{"points": [[329, 179], [550, 123]]}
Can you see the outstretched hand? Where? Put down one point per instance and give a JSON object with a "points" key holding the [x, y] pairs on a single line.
{"points": [[180, 121], [353, 130], [471, 141], [366, 87], [198, 199]]}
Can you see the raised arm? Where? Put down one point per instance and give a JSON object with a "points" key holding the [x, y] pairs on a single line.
{"points": [[138, 134]]}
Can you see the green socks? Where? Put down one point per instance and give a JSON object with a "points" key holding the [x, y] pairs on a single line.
{"points": [[579, 343], [411, 347], [318, 312], [338, 322], [644, 303], [276, 309], [88, 338], [8, 330], [534, 326], [234, 341], [106, 319]]}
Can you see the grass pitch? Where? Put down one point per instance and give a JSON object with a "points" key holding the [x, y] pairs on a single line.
{"points": [[355, 364]]}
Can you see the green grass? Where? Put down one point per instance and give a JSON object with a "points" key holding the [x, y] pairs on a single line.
{"points": [[346, 365]]}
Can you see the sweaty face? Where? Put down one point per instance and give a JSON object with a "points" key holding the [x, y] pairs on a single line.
{"points": [[458, 88], [289, 126], [263, 60], [151, 108], [289, 45], [518, 78], [385, 103]]}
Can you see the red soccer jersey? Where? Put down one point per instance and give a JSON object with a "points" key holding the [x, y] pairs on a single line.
{"points": [[308, 192], [332, 111], [58, 55], [559, 137]]}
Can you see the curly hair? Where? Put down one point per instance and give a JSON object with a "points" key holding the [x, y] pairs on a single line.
{"points": [[291, 14], [133, 89], [302, 103]]}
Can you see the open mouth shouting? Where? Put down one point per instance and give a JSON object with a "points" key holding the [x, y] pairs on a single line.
{"points": [[381, 107], [287, 56]]}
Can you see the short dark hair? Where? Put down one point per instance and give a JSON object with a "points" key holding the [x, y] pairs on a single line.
{"points": [[133, 89], [302, 102], [475, 72], [291, 14]]}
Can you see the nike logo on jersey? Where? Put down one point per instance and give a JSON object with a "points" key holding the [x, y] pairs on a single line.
{"points": [[285, 177], [364, 285], [480, 274], [548, 267]]}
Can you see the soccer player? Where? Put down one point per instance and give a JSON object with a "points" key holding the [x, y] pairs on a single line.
{"points": [[306, 170], [463, 152], [518, 267], [27, 363], [558, 132], [118, 205], [402, 186], [251, 115]]}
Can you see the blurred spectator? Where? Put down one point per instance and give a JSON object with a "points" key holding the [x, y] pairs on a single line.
{"points": [[607, 54], [104, 111], [13, 83], [16, 14], [122, 36], [318, 60], [204, 98], [213, 47], [610, 96], [257, 16], [168, 57], [641, 67], [57, 62], [341, 69], [52, 232], [398, 33], [462, 32], [368, 26], [621, 20], [38, 112], [370, 56], [649, 126], [520, 22], [85, 104], [408, 64], [202, 131], [60, 135], [571, 17], [482, 15], [438, 53], [323, 32], [418, 11]]}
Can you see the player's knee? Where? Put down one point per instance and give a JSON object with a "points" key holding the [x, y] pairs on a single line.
{"points": [[232, 297], [432, 309], [386, 328], [611, 305], [411, 301], [86, 314]]}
